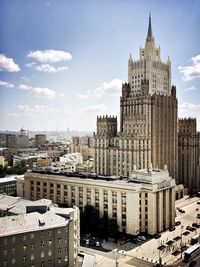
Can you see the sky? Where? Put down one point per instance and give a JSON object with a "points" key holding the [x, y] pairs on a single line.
{"points": [[62, 62]]}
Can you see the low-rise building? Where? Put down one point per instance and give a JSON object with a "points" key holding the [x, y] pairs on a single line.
{"points": [[8, 186], [41, 235], [145, 202]]}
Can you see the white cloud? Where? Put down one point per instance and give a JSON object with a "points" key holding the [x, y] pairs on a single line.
{"points": [[14, 114], [6, 84], [8, 64], [36, 109], [189, 109], [83, 96], [94, 108], [43, 92], [192, 88], [39, 91], [113, 87], [49, 68], [25, 87], [50, 56], [29, 65], [193, 71]]}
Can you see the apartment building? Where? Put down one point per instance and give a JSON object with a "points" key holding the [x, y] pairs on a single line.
{"points": [[38, 234]]}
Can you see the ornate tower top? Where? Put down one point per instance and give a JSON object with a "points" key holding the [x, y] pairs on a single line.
{"points": [[149, 34]]}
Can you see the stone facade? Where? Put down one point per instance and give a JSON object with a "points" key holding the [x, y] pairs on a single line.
{"points": [[188, 154], [145, 202], [148, 119]]}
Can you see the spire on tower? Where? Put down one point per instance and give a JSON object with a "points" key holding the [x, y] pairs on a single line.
{"points": [[149, 34]]}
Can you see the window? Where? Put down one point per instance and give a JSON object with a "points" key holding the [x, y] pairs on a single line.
{"points": [[59, 231], [59, 250], [42, 264], [49, 233], [24, 237], [42, 244], [59, 240], [49, 263], [42, 233], [32, 246], [13, 250], [42, 254], [32, 257], [24, 247], [66, 258], [5, 263], [5, 252], [50, 243], [24, 258], [59, 260], [13, 261], [32, 235], [13, 239], [5, 241], [49, 253]]}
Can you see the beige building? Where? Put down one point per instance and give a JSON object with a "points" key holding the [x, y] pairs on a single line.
{"points": [[188, 154], [145, 202], [39, 234], [148, 119]]}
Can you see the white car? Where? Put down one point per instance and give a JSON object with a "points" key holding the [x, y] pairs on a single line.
{"points": [[98, 244]]}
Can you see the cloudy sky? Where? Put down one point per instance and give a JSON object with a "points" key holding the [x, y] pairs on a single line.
{"points": [[62, 62]]}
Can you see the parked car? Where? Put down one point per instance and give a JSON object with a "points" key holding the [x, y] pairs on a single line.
{"points": [[158, 235], [177, 223], [198, 216], [198, 202], [87, 242], [182, 211], [98, 244], [143, 238], [189, 228], [172, 228]]}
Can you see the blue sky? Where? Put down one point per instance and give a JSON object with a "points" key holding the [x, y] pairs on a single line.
{"points": [[62, 62]]}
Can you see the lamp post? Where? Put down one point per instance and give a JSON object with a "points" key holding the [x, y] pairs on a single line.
{"points": [[117, 253], [182, 241]]}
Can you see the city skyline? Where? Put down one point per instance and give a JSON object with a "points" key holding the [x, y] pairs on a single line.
{"points": [[63, 63]]}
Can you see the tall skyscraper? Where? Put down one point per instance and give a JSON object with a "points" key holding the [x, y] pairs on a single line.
{"points": [[148, 119], [188, 154]]}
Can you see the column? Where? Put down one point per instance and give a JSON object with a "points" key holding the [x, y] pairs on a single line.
{"points": [[119, 210], [55, 193], [166, 203], [92, 197], [101, 203], [62, 193], [41, 189], [69, 190], [76, 195], [160, 207], [35, 190], [110, 208]]}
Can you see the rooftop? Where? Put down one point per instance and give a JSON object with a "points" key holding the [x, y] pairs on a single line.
{"points": [[30, 222]]}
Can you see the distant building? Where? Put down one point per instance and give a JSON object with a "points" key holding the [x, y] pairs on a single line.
{"points": [[2, 139], [24, 131], [40, 139], [3, 163], [188, 154], [143, 203], [22, 141], [8, 186], [11, 141], [40, 234]]}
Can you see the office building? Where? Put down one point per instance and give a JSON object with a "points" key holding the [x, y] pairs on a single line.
{"points": [[145, 202], [40, 139], [148, 119], [188, 154]]}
